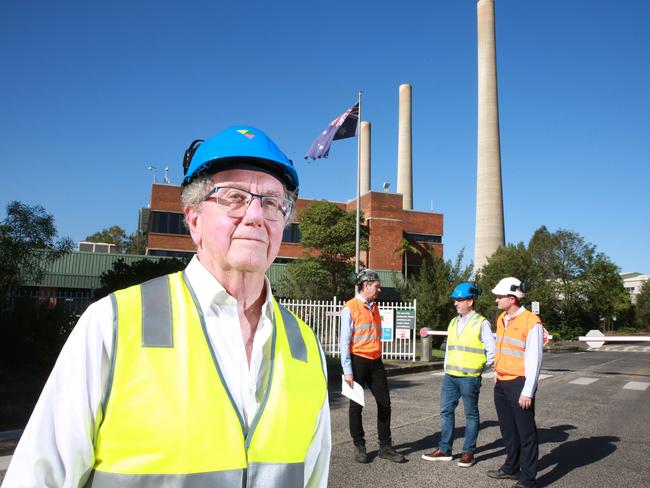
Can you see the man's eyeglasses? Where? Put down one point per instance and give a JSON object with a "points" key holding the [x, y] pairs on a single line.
{"points": [[237, 201]]}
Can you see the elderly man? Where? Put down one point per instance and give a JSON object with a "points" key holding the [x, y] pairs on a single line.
{"points": [[198, 378], [470, 349], [517, 363], [360, 344]]}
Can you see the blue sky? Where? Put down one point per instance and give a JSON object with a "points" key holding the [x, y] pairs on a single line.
{"points": [[92, 93]]}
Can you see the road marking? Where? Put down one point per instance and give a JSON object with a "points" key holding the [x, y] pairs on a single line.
{"points": [[4, 462], [543, 376], [636, 385], [439, 373], [583, 381]]}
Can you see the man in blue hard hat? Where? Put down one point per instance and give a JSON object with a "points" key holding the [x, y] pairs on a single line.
{"points": [[198, 378], [470, 349]]}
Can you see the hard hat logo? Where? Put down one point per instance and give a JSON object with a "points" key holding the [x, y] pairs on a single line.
{"points": [[229, 150]]}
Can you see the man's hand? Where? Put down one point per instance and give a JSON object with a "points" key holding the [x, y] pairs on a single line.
{"points": [[525, 402], [349, 379]]}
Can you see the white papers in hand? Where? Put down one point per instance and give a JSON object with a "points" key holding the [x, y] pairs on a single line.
{"points": [[355, 393]]}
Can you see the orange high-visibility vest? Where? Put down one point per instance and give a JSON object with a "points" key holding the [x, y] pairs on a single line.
{"points": [[511, 344], [366, 329]]}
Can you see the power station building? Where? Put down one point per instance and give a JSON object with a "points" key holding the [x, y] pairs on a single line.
{"points": [[388, 224]]}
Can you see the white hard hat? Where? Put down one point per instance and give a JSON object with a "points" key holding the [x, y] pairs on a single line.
{"points": [[511, 286]]}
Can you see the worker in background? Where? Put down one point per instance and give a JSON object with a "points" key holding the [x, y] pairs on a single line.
{"points": [[470, 349], [518, 360], [360, 345], [198, 378]]}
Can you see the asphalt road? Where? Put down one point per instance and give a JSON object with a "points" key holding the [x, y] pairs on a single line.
{"points": [[593, 418], [592, 413]]}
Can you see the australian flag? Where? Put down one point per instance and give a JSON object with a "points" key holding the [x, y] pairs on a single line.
{"points": [[342, 127]]}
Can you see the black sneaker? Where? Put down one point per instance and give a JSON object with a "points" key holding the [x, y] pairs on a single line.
{"points": [[391, 454], [498, 474], [360, 454]]}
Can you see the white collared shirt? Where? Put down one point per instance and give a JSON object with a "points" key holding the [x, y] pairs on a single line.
{"points": [[57, 446]]}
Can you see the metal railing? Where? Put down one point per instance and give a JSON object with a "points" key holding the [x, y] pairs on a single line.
{"points": [[323, 317]]}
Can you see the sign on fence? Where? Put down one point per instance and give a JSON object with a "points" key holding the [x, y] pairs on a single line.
{"points": [[404, 323], [387, 322]]}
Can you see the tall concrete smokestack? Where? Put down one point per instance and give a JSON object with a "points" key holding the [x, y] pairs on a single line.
{"points": [[404, 152], [489, 198], [365, 157]]}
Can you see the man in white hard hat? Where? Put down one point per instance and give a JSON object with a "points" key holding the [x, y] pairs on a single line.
{"points": [[517, 363], [360, 344], [198, 378]]}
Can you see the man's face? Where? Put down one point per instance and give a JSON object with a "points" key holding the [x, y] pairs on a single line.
{"points": [[245, 244], [463, 305], [504, 302], [371, 290]]}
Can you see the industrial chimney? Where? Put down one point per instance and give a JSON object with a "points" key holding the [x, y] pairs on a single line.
{"points": [[489, 199], [404, 153], [364, 141]]}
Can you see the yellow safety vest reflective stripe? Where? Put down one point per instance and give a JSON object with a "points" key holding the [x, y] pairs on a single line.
{"points": [[169, 419], [465, 354]]}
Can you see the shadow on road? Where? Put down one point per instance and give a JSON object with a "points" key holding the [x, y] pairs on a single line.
{"points": [[575, 454], [431, 442], [556, 434]]}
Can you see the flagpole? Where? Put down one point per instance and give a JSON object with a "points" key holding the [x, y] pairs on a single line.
{"points": [[357, 238]]}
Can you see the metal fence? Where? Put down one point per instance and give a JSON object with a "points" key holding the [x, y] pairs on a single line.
{"points": [[323, 317]]}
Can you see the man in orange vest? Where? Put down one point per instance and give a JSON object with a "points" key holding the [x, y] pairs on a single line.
{"points": [[517, 362], [360, 344]]}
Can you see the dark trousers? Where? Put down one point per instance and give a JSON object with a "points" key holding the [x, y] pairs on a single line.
{"points": [[518, 430], [370, 373]]}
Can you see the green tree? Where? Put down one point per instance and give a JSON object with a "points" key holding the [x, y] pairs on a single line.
{"points": [[28, 243], [405, 248], [304, 281], [328, 238], [643, 306], [431, 287], [575, 284], [124, 243], [510, 260], [123, 275]]}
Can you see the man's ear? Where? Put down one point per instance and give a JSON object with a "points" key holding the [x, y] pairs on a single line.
{"points": [[193, 219]]}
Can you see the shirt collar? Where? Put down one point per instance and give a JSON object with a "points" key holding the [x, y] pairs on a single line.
{"points": [[209, 291], [466, 317]]}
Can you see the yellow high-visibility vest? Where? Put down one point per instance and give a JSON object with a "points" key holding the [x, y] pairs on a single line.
{"points": [[465, 354], [169, 419]]}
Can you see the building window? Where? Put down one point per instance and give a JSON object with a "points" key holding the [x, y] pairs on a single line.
{"points": [[168, 223], [291, 233], [428, 238]]}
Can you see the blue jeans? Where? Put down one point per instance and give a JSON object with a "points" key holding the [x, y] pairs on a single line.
{"points": [[454, 387]]}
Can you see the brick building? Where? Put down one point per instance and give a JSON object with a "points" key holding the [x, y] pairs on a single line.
{"points": [[387, 223]]}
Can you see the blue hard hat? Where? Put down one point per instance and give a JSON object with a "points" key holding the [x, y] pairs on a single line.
{"points": [[239, 147], [465, 290]]}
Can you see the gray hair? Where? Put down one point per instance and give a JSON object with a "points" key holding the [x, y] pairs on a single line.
{"points": [[193, 193]]}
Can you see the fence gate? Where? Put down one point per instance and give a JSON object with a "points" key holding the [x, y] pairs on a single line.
{"points": [[398, 325]]}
